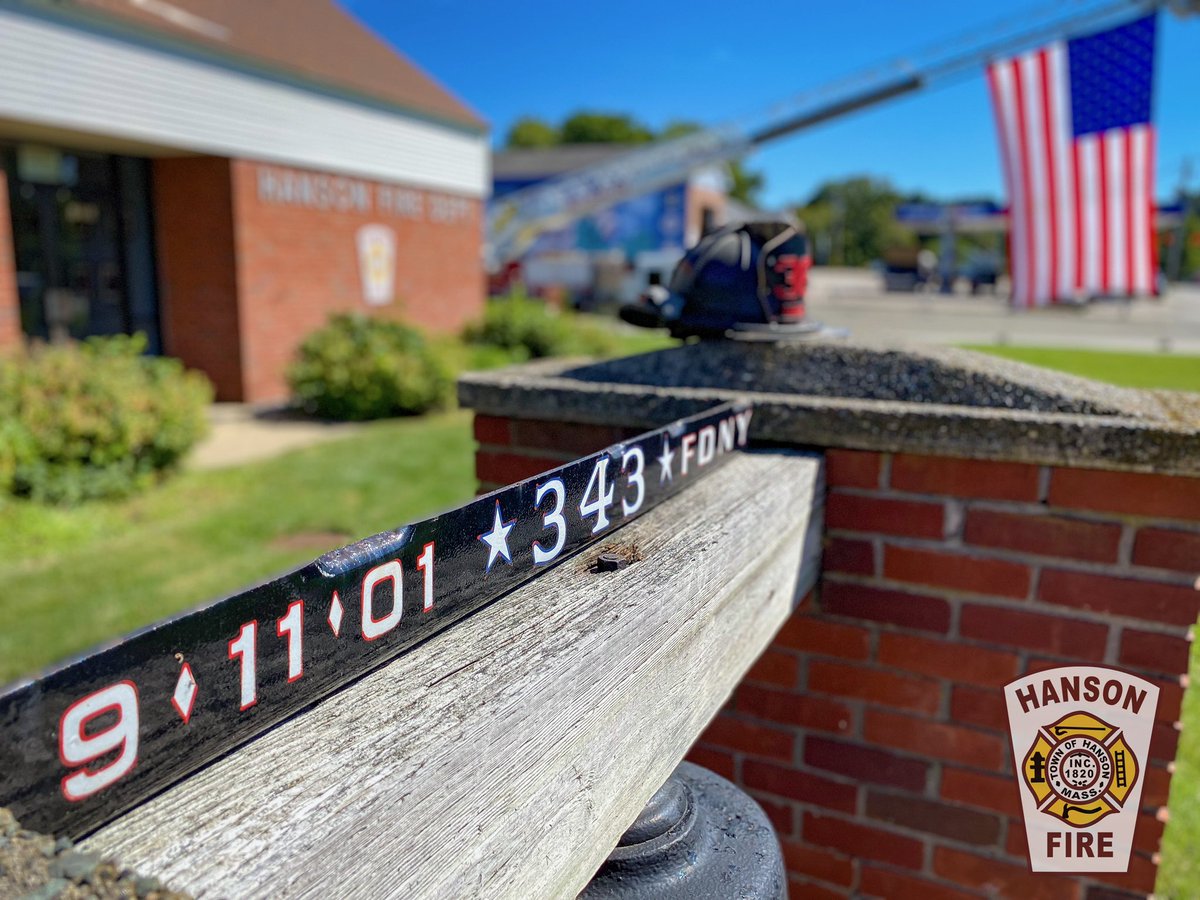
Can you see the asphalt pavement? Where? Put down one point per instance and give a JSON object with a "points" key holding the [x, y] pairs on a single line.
{"points": [[855, 299]]}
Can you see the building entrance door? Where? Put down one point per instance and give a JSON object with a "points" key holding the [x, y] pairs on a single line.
{"points": [[83, 243]]}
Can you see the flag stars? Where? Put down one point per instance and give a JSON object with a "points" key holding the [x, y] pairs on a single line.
{"points": [[665, 460], [497, 539]]}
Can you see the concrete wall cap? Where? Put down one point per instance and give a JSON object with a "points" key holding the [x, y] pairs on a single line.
{"points": [[917, 399]]}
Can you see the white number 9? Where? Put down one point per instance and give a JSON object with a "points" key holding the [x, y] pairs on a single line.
{"points": [[77, 748]]}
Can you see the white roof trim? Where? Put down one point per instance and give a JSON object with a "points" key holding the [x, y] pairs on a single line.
{"points": [[63, 77]]}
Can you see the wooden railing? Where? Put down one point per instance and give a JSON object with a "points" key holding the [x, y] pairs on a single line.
{"points": [[504, 757]]}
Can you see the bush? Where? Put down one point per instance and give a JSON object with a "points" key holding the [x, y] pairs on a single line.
{"points": [[95, 420], [529, 329], [362, 368]]}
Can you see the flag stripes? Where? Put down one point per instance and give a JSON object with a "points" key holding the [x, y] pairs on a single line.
{"points": [[1081, 206]]}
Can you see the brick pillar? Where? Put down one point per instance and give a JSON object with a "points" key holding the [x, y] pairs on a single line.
{"points": [[193, 216], [10, 306], [873, 730]]}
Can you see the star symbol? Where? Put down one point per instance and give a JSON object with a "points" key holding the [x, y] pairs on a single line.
{"points": [[665, 461], [497, 539]]}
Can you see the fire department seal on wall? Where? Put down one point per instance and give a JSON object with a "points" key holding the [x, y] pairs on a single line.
{"points": [[1080, 735]]}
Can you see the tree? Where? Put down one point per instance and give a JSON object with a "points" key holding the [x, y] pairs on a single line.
{"points": [[852, 222], [614, 128], [530, 131], [604, 128], [744, 185]]}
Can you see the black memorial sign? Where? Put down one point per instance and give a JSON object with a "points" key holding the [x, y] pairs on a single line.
{"points": [[94, 737]]}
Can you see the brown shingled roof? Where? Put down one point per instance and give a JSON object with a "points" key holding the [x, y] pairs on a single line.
{"points": [[313, 38]]}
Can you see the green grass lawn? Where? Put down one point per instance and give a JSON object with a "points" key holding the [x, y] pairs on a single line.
{"points": [[1139, 370], [1179, 874], [72, 577]]}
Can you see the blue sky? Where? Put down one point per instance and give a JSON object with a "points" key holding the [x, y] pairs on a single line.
{"points": [[715, 61]]}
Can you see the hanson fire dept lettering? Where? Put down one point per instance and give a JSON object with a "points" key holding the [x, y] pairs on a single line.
{"points": [[1080, 736]]}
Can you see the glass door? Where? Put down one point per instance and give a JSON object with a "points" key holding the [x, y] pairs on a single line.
{"points": [[82, 240]]}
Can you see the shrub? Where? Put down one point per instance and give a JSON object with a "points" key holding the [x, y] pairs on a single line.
{"points": [[362, 368], [529, 329], [95, 420]]}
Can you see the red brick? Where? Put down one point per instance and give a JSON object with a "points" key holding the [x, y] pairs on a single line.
{"points": [[1002, 879], [812, 635], [1166, 496], [956, 571], [1015, 843], [972, 706], [567, 437], [862, 841], [967, 826], [10, 302], [1035, 631], [852, 468], [911, 518], [1147, 836], [873, 685], [846, 555], [818, 863], [1158, 786], [1156, 652], [507, 468], [1043, 535], [1099, 892], [907, 610], [1141, 875], [295, 266], [491, 430], [865, 763], [782, 814], [730, 733], [1164, 741], [720, 761], [995, 792], [790, 708], [1167, 548], [775, 668], [197, 262], [803, 889], [1154, 601], [1170, 698], [949, 742], [947, 659], [898, 886], [785, 781], [964, 477]]}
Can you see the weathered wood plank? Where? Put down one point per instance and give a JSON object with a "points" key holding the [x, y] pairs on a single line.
{"points": [[505, 757]]}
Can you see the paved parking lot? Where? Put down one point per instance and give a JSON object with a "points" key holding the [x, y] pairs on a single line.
{"points": [[855, 299]]}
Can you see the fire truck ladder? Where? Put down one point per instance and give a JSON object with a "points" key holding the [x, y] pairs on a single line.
{"points": [[516, 220]]}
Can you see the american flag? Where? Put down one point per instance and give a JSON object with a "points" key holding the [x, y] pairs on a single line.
{"points": [[1077, 146]]}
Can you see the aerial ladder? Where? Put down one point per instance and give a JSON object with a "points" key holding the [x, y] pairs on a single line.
{"points": [[516, 220]]}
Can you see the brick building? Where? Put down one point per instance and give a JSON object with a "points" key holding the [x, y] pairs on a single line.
{"points": [[222, 176]]}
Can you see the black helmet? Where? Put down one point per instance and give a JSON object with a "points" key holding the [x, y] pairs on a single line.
{"points": [[748, 277]]}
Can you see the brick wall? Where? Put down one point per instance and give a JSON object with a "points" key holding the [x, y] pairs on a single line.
{"points": [[873, 730], [198, 304], [10, 305], [244, 280], [298, 264]]}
